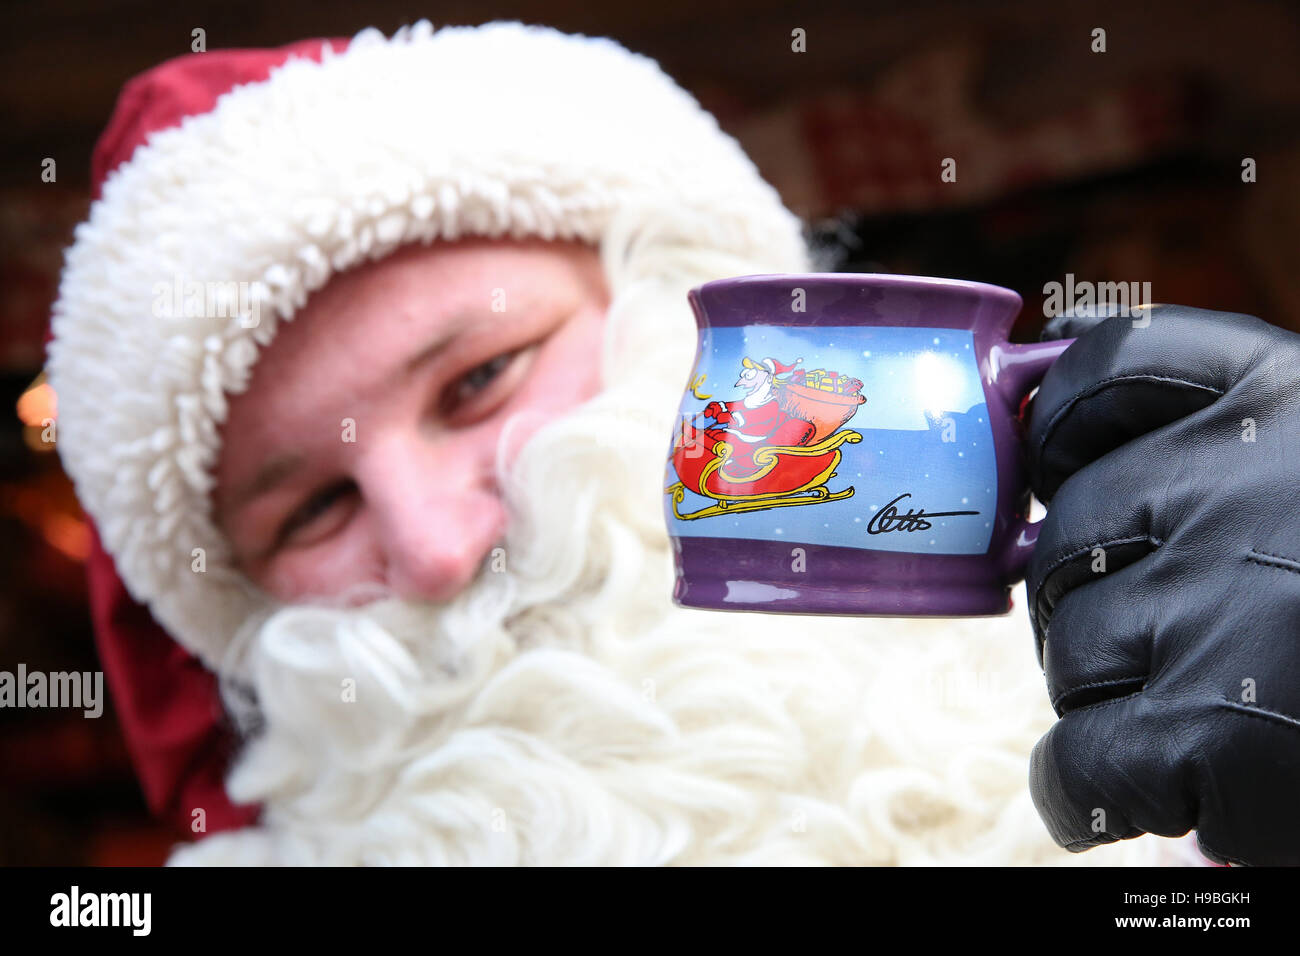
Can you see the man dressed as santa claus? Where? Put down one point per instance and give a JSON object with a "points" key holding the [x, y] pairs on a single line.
{"points": [[757, 419], [372, 501]]}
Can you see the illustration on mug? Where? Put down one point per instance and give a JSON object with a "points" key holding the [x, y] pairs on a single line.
{"points": [[776, 446], [887, 428]]}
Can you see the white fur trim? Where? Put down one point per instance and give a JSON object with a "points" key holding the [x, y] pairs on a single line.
{"points": [[500, 130]]}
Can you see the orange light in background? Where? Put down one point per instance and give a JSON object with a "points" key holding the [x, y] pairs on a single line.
{"points": [[38, 403], [38, 407], [67, 534]]}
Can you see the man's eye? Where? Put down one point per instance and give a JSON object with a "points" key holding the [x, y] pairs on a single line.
{"points": [[476, 380], [311, 512]]}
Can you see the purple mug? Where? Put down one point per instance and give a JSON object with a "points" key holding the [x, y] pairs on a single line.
{"points": [[866, 459]]}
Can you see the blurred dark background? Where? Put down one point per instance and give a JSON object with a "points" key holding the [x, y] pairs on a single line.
{"points": [[1122, 166]]}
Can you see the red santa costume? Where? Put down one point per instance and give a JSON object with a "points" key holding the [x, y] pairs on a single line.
{"points": [[563, 710]]}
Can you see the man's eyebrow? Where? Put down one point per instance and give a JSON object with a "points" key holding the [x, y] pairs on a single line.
{"points": [[434, 348], [459, 323], [274, 471]]}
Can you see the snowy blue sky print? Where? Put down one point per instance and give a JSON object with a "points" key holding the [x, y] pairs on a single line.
{"points": [[927, 445]]}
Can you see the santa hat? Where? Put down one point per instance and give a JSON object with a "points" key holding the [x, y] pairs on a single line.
{"points": [[260, 174], [772, 366]]}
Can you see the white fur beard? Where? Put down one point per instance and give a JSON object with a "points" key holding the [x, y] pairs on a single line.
{"points": [[563, 711]]}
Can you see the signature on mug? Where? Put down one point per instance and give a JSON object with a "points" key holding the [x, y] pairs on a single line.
{"points": [[888, 519]]}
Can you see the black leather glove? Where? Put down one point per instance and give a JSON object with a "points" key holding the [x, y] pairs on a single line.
{"points": [[1164, 589]]}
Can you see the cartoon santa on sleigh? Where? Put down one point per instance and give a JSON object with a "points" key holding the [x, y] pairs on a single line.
{"points": [[775, 447]]}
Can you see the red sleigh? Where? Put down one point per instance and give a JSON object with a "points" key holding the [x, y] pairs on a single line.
{"points": [[710, 463]]}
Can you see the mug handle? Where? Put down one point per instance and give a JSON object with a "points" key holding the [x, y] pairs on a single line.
{"points": [[1018, 369]]}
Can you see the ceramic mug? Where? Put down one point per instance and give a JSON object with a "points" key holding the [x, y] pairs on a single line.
{"points": [[850, 444]]}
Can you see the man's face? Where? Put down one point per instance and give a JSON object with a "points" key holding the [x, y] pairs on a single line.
{"points": [[363, 451]]}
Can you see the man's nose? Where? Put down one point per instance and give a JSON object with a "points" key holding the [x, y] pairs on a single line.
{"points": [[436, 513]]}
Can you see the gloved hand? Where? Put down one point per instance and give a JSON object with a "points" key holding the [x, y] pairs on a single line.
{"points": [[718, 412], [1164, 589]]}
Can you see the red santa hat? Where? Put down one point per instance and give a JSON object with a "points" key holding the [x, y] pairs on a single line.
{"points": [[773, 366], [256, 175]]}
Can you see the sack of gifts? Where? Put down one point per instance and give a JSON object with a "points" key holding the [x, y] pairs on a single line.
{"points": [[825, 399]]}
